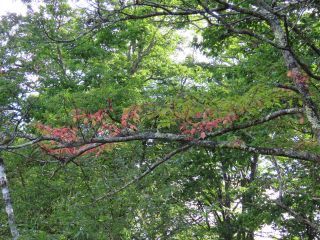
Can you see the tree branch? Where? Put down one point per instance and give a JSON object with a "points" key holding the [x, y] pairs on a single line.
{"points": [[252, 123], [297, 216], [290, 153], [148, 171]]}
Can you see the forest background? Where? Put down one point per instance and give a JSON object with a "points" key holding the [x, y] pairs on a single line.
{"points": [[166, 119]]}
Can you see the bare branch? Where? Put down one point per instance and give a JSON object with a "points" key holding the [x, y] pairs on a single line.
{"points": [[298, 216], [148, 171]]}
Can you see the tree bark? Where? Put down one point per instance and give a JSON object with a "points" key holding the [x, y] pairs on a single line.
{"points": [[294, 71], [7, 201]]}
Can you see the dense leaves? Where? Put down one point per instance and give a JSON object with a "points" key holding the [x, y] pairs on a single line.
{"points": [[162, 119]]}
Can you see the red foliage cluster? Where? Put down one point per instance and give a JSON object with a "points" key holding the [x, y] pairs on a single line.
{"points": [[298, 77], [88, 126], [131, 114], [64, 134], [206, 124], [99, 122], [76, 140]]}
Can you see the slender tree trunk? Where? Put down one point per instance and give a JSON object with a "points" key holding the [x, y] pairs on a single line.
{"points": [[228, 227], [7, 201], [248, 197]]}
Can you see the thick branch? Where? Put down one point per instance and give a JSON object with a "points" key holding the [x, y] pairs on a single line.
{"points": [[290, 153], [170, 137], [252, 123]]}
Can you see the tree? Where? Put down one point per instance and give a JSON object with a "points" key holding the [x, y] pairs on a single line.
{"points": [[108, 86]]}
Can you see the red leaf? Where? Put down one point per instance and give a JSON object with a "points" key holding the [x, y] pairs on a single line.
{"points": [[133, 127], [124, 120], [198, 115], [203, 135]]}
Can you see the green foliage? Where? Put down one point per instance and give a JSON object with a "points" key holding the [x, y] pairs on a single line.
{"points": [[61, 59]]}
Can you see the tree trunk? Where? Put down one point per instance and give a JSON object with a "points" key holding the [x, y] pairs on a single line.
{"points": [[7, 201], [248, 197], [294, 70], [228, 231]]}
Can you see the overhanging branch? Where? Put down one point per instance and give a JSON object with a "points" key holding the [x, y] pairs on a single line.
{"points": [[187, 139]]}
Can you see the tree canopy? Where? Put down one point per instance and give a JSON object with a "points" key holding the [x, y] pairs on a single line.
{"points": [[106, 133]]}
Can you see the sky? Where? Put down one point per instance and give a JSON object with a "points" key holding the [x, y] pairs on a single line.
{"points": [[10, 6], [16, 6]]}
